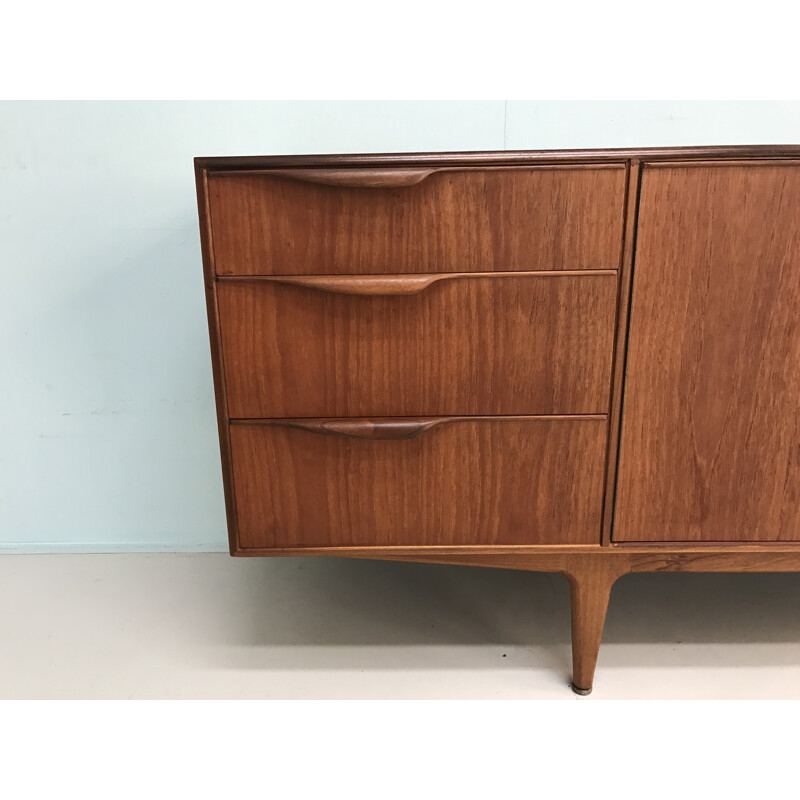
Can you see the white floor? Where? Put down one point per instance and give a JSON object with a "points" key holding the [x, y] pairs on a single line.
{"points": [[209, 626]]}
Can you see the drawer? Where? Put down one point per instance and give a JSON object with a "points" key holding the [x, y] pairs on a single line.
{"points": [[422, 481], [418, 345], [378, 221]]}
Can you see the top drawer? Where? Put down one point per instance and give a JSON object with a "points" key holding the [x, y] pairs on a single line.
{"points": [[411, 220]]}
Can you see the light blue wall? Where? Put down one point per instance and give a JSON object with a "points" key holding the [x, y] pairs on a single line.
{"points": [[107, 428]]}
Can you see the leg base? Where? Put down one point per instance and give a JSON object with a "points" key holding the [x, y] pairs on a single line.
{"points": [[590, 583]]}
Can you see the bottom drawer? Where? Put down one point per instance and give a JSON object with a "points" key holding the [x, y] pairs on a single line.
{"points": [[418, 481]]}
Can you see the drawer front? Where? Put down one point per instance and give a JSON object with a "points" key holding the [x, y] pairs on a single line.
{"points": [[286, 222], [456, 345], [434, 481]]}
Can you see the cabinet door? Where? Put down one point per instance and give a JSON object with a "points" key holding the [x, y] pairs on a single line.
{"points": [[710, 448]]}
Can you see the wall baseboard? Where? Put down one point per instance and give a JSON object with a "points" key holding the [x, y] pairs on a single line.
{"points": [[53, 548]]}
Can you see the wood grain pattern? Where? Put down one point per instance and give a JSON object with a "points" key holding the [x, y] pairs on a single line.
{"points": [[381, 177], [589, 591], [533, 344], [710, 445], [620, 346], [777, 554], [452, 221], [375, 317], [500, 158], [363, 428], [386, 285], [215, 339], [466, 481], [390, 285]]}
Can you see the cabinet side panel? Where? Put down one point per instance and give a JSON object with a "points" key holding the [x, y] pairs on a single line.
{"points": [[206, 243], [710, 447]]}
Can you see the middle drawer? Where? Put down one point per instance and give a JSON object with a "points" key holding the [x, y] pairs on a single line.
{"points": [[449, 344]]}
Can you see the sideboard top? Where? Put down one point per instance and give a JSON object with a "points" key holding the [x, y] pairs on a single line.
{"points": [[501, 157]]}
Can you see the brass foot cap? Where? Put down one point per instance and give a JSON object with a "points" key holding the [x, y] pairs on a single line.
{"points": [[578, 690]]}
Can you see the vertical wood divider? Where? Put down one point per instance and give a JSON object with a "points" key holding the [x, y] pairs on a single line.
{"points": [[625, 284]]}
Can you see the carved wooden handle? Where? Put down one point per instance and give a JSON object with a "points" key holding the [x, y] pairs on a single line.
{"points": [[374, 178], [364, 428], [362, 284], [400, 284]]}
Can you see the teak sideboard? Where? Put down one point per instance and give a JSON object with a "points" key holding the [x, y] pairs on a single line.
{"points": [[585, 362]]}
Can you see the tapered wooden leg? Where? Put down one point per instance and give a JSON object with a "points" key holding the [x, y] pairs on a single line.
{"points": [[590, 583]]}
